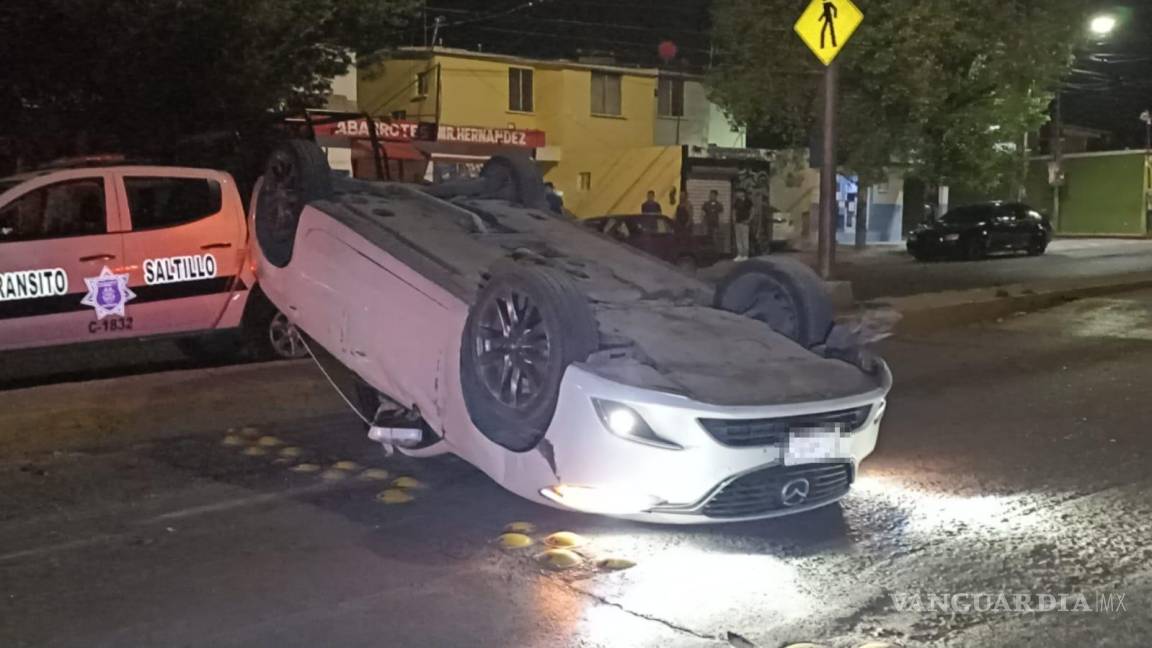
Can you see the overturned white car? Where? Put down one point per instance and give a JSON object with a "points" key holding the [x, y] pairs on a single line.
{"points": [[573, 370]]}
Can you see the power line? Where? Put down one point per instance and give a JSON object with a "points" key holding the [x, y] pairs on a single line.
{"points": [[596, 39]]}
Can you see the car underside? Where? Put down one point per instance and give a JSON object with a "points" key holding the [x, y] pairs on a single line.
{"points": [[522, 341]]}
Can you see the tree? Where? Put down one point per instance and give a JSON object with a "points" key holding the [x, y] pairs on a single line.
{"points": [[946, 88], [133, 74]]}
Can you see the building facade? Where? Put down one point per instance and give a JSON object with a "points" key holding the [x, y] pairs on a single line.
{"points": [[605, 135]]}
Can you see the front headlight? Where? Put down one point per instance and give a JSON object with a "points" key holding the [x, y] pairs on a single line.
{"points": [[626, 423], [951, 237], [607, 501]]}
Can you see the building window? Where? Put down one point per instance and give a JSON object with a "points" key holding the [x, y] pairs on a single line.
{"points": [[670, 97], [605, 93], [520, 89], [584, 182], [422, 84]]}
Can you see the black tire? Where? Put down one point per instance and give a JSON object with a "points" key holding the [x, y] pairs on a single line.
{"points": [[213, 349], [975, 249], [297, 173], [1037, 247], [511, 366], [784, 294], [268, 334]]}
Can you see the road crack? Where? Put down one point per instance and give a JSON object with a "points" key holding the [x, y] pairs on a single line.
{"points": [[603, 600]]}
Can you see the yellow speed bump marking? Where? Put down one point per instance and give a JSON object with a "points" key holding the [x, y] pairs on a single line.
{"points": [[255, 451], [407, 482], [269, 441], [305, 468], [333, 474], [394, 496], [515, 541], [290, 451], [520, 527], [615, 564], [375, 474], [558, 559], [282, 461], [250, 432], [233, 440], [350, 466], [564, 539]]}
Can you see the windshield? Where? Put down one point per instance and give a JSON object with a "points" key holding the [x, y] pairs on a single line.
{"points": [[967, 215]]}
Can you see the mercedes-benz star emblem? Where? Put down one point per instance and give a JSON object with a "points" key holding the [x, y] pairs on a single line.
{"points": [[795, 492]]}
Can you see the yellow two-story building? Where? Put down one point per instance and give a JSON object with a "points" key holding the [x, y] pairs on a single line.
{"points": [[604, 134]]}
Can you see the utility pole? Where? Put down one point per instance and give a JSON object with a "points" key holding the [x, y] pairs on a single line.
{"points": [[1057, 160], [826, 247]]}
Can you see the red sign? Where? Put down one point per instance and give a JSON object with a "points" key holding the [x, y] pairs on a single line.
{"points": [[406, 131]]}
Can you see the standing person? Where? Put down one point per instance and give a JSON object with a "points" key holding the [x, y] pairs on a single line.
{"points": [[684, 217], [650, 206], [712, 210], [555, 200], [742, 217]]}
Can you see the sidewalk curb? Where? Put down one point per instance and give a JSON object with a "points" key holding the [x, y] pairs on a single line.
{"points": [[934, 311]]}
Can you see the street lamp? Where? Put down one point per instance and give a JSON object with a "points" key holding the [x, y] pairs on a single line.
{"points": [[1102, 25]]}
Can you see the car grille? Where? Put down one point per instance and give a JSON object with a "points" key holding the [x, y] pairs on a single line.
{"points": [[759, 492], [743, 433]]}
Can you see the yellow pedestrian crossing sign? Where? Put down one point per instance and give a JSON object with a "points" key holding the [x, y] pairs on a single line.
{"points": [[826, 25]]}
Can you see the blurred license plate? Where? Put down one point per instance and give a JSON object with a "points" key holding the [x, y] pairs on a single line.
{"points": [[813, 446]]}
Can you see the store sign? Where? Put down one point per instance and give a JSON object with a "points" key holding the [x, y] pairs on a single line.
{"points": [[406, 131]]}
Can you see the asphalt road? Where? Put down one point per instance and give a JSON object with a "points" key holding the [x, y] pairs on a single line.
{"points": [[1013, 460], [891, 272]]}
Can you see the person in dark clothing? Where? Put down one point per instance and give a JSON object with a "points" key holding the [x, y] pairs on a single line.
{"points": [[555, 200], [712, 210], [650, 206], [684, 217], [742, 220]]}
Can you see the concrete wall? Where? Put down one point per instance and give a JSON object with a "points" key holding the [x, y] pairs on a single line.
{"points": [[391, 86], [620, 178], [1103, 194], [721, 131]]}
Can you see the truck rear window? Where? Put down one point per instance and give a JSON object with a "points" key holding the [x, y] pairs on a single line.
{"points": [[165, 202]]}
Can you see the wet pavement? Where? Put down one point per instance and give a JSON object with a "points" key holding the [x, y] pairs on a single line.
{"points": [[1013, 461]]}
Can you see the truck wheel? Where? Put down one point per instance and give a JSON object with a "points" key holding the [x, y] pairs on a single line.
{"points": [[268, 333], [526, 326], [297, 174], [784, 294]]}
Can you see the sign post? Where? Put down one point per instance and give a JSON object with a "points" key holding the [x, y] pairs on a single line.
{"points": [[825, 26]]}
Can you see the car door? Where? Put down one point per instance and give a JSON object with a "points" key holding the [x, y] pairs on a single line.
{"points": [[61, 261], [1001, 227], [184, 244], [1024, 230]]}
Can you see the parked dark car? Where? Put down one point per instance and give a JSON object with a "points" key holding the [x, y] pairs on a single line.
{"points": [[656, 234], [974, 231]]}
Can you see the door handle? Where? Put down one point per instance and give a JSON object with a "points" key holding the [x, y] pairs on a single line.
{"points": [[215, 246], [98, 257]]}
